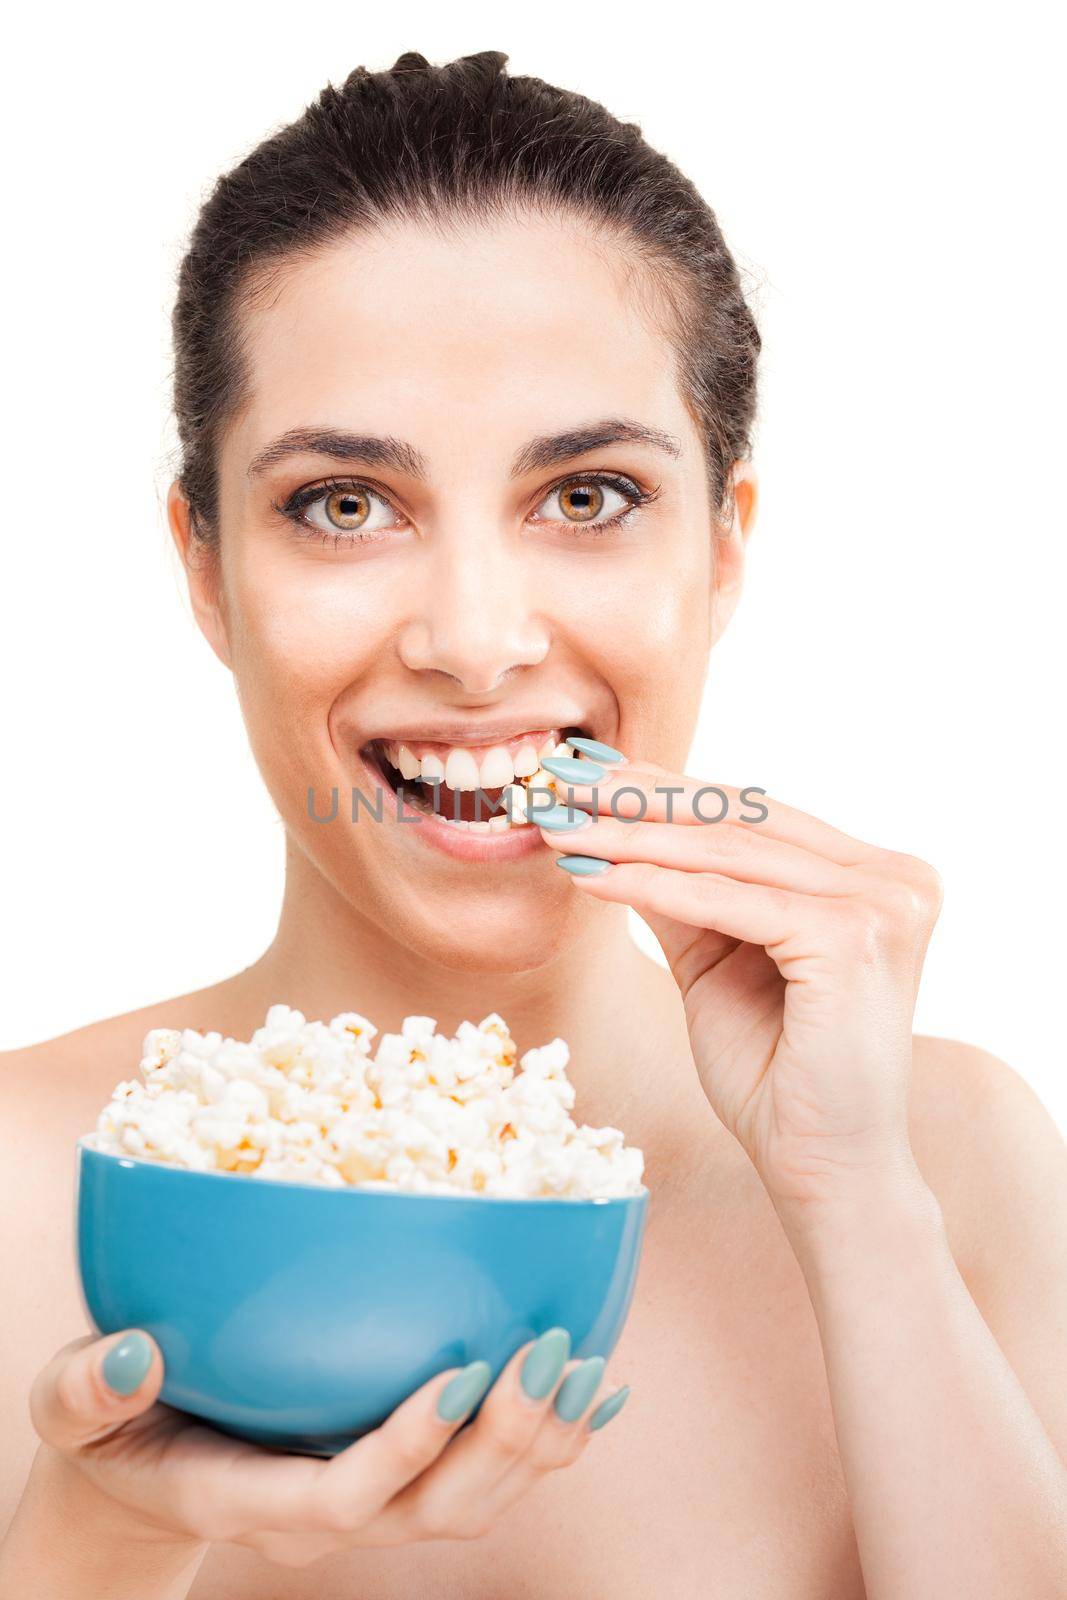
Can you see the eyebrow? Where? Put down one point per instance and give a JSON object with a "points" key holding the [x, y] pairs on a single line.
{"points": [[373, 450]]}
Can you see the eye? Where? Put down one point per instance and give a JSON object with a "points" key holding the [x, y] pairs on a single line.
{"points": [[594, 500], [345, 508]]}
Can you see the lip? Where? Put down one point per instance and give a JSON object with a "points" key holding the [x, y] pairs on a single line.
{"points": [[430, 832]]}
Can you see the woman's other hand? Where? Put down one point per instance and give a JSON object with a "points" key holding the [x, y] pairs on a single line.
{"points": [[95, 1407], [798, 952]]}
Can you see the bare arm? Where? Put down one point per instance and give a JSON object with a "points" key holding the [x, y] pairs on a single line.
{"points": [[68, 1541], [956, 1478], [798, 952]]}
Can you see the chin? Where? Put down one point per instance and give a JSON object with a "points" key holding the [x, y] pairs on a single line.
{"points": [[493, 938]]}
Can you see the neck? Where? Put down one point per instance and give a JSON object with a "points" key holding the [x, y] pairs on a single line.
{"points": [[327, 957]]}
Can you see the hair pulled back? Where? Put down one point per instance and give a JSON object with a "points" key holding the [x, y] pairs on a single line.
{"points": [[445, 143]]}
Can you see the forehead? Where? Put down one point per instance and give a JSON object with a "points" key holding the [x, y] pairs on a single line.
{"points": [[468, 338]]}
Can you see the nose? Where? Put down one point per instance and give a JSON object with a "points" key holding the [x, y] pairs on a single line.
{"points": [[473, 616]]}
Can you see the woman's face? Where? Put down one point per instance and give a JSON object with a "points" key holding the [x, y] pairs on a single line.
{"points": [[419, 545]]}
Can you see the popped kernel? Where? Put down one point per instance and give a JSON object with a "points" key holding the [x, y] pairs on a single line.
{"points": [[310, 1102]]}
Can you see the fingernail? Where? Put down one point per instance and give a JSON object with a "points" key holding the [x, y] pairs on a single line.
{"points": [[561, 818], [578, 1388], [126, 1364], [593, 747], [462, 1395], [583, 866], [573, 771], [543, 1365], [610, 1407]]}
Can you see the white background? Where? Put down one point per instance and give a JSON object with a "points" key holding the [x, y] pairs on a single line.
{"points": [[891, 183]]}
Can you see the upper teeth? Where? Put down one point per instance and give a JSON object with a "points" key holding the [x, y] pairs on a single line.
{"points": [[464, 768]]}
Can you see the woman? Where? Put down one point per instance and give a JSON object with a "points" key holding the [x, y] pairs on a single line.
{"points": [[465, 383]]}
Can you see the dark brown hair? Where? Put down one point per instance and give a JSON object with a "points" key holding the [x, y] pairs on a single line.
{"points": [[443, 143]]}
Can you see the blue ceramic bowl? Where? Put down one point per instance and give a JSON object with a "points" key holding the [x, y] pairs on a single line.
{"points": [[300, 1316]]}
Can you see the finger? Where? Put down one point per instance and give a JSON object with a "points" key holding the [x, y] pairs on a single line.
{"points": [[449, 1500], [755, 913], [93, 1386], [349, 1491], [242, 1492], [559, 1443], [745, 854], [636, 791]]}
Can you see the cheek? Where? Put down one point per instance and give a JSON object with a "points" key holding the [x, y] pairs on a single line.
{"points": [[301, 630], [645, 629]]}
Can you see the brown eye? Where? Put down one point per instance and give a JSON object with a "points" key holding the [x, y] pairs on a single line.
{"points": [[350, 513], [347, 509], [581, 501], [594, 502]]}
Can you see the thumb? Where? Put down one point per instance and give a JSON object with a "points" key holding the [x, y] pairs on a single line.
{"points": [[92, 1386], [688, 957]]}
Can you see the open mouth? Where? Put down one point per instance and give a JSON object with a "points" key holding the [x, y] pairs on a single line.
{"points": [[478, 789]]}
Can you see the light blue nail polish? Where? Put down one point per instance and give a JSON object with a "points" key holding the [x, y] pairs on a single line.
{"points": [[594, 748], [583, 866], [460, 1397], [572, 770], [544, 1363], [578, 1388], [560, 819], [609, 1408], [126, 1364]]}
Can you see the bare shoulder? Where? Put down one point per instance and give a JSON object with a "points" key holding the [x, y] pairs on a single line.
{"points": [[109, 1050], [50, 1094], [995, 1159], [981, 1135]]}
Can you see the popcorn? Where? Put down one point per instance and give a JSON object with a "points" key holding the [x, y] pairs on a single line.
{"points": [[309, 1102]]}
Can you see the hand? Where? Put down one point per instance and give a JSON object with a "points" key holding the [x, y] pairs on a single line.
{"points": [[798, 952], [408, 1480]]}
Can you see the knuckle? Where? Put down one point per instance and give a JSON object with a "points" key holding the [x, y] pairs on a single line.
{"points": [[638, 834], [432, 1522], [858, 927], [908, 905], [627, 806], [510, 1432], [778, 900], [931, 888], [921, 882], [781, 903], [545, 1452], [565, 1455], [39, 1411], [647, 880], [725, 841], [328, 1515], [558, 1445], [438, 1521], [409, 1452], [569, 1448], [474, 1528], [71, 1391]]}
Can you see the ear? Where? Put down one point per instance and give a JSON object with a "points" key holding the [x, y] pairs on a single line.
{"points": [[728, 567], [202, 575]]}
